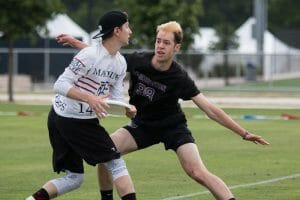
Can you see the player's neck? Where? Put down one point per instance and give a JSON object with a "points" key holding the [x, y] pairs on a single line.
{"points": [[111, 46], [161, 65]]}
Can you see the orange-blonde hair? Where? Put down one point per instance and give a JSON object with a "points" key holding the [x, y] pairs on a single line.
{"points": [[174, 28]]}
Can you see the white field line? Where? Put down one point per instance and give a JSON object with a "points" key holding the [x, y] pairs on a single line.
{"points": [[246, 117], [236, 186]]}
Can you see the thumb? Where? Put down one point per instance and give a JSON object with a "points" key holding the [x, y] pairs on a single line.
{"points": [[105, 97]]}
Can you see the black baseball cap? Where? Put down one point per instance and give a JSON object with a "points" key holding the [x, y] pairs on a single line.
{"points": [[109, 21]]}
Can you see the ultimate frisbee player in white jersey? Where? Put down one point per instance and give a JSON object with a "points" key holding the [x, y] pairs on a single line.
{"points": [[74, 129], [157, 82]]}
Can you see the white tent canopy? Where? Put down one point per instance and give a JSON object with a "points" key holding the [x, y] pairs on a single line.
{"points": [[276, 59], [247, 44], [63, 24], [204, 39]]}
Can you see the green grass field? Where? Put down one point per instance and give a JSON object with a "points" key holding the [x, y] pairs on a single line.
{"points": [[25, 158], [285, 87]]}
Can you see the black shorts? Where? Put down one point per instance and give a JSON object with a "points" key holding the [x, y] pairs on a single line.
{"points": [[172, 136], [75, 140]]}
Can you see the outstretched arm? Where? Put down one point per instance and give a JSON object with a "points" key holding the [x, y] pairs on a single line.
{"points": [[225, 120], [68, 40]]}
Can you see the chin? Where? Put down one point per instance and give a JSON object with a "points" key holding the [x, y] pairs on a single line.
{"points": [[159, 59]]}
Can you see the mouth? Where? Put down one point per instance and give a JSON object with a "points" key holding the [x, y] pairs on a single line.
{"points": [[160, 53]]}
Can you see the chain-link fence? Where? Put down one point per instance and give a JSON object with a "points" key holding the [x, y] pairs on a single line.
{"points": [[44, 65]]}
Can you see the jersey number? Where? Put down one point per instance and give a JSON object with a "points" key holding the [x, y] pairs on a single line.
{"points": [[82, 110]]}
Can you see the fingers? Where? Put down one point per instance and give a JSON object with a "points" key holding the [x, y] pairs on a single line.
{"points": [[102, 115], [256, 139], [98, 105], [59, 37], [261, 141], [100, 109], [131, 112], [63, 38]]}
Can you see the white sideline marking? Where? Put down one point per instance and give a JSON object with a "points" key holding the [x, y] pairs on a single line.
{"points": [[237, 186]]}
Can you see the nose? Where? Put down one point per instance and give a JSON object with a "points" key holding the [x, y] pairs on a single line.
{"points": [[160, 45]]}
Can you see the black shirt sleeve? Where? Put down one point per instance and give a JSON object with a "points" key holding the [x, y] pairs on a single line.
{"points": [[128, 58], [189, 88]]}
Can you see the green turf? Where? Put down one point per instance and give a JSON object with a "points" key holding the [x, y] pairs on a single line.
{"points": [[26, 158], [286, 86]]}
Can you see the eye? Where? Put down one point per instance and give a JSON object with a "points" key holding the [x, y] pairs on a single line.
{"points": [[167, 42]]}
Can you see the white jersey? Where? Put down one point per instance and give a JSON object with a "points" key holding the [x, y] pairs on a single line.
{"points": [[92, 70]]}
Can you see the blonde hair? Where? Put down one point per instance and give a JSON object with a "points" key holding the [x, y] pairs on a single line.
{"points": [[173, 27]]}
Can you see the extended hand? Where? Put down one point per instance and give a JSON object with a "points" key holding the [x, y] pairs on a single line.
{"points": [[255, 139], [131, 112], [65, 39]]}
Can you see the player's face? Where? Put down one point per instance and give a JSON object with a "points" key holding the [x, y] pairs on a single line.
{"points": [[125, 33], [165, 46]]}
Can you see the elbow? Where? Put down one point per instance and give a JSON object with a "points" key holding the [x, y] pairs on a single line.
{"points": [[58, 88], [212, 116], [61, 87], [55, 87]]}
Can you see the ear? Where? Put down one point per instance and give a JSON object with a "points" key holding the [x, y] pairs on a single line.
{"points": [[177, 47], [116, 30]]}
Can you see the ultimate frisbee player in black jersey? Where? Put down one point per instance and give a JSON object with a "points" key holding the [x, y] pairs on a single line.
{"points": [[157, 82]]}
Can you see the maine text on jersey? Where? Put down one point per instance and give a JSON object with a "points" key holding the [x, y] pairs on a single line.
{"points": [[76, 65]]}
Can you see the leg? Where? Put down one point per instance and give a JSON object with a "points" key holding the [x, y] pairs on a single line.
{"points": [[63, 158], [191, 162], [105, 182], [59, 186], [125, 144], [121, 178]]}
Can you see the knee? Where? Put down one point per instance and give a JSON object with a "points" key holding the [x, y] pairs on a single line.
{"points": [[117, 167], [68, 183], [76, 179], [198, 174]]}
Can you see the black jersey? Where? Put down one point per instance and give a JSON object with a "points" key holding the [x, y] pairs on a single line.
{"points": [[156, 93]]}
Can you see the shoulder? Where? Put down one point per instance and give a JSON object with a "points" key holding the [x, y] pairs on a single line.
{"points": [[177, 67], [138, 55], [120, 58], [88, 52]]}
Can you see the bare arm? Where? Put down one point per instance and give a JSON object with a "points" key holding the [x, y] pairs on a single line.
{"points": [[225, 120], [70, 41]]}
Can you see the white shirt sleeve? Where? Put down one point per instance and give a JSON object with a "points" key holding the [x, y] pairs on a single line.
{"points": [[78, 67]]}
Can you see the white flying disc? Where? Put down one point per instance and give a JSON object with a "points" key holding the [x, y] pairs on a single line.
{"points": [[117, 107]]}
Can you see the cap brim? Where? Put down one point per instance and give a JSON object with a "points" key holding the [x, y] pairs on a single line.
{"points": [[100, 34]]}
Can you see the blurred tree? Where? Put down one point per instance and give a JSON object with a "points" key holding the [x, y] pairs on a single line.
{"points": [[19, 19], [87, 12], [145, 15], [285, 26], [283, 14], [225, 17]]}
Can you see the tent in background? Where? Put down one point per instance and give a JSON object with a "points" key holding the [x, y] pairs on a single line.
{"points": [[277, 59], [204, 39], [247, 43], [62, 23]]}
